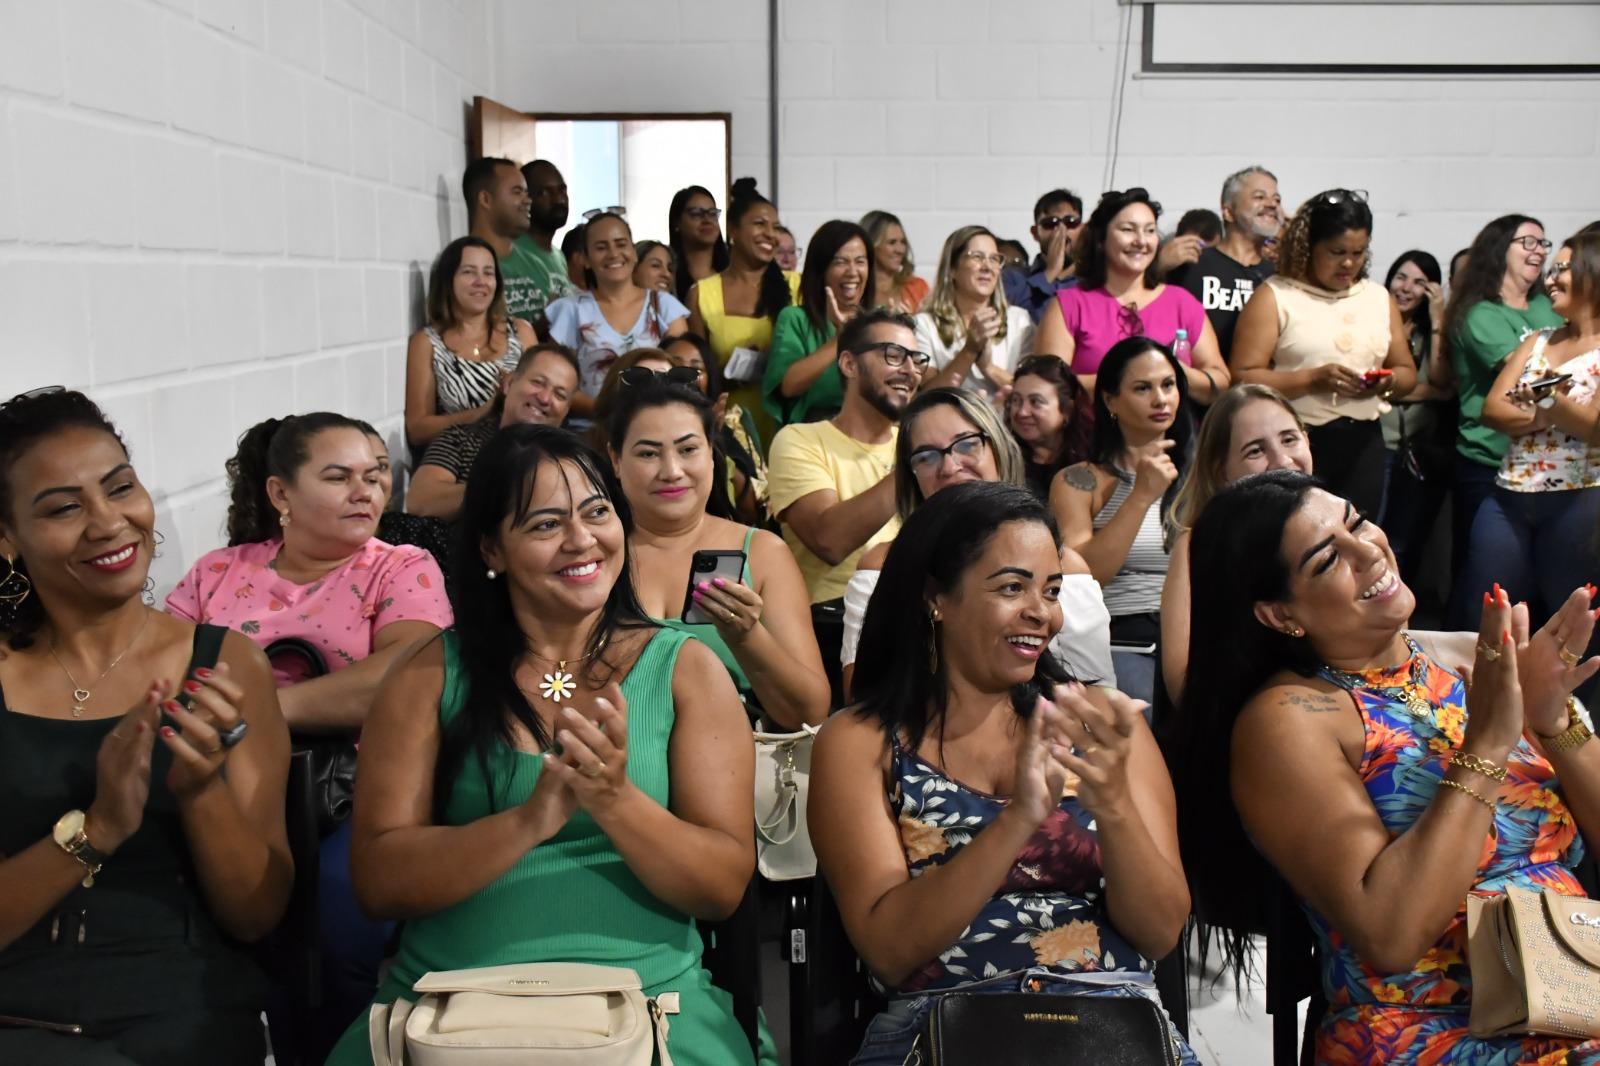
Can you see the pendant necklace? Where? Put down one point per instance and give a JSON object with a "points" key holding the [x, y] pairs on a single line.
{"points": [[81, 693], [559, 684]]}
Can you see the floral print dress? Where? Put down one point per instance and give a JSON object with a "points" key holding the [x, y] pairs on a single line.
{"points": [[1551, 459], [1049, 911], [1414, 715]]}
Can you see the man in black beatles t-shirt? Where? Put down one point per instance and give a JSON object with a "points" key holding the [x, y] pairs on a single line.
{"points": [[1226, 273]]}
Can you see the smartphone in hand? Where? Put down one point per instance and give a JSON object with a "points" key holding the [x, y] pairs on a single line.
{"points": [[708, 565], [1374, 378]]}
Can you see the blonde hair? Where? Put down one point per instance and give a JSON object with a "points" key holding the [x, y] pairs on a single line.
{"points": [[1206, 477], [941, 302], [1008, 462], [877, 223]]}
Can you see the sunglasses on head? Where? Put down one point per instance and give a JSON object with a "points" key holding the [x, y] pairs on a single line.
{"points": [[595, 212], [642, 375], [1342, 196], [34, 394]]}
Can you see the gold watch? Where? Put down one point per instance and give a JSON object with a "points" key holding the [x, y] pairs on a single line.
{"points": [[1571, 737], [70, 835]]}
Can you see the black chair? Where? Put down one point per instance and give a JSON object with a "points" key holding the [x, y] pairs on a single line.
{"points": [[1293, 975], [829, 981], [289, 954], [1172, 983], [827, 622], [733, 957]]}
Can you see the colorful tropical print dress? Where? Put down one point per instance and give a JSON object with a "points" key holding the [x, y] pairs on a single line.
{"points": [[1414, 715], [1050, 909]]}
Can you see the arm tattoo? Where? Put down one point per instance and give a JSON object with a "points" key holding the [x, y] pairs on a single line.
{"points": [[1313, 702], [1080, 477]]}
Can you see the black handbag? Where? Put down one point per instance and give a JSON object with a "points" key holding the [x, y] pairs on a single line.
{"points": [[1034, 1029], [333, 756]]}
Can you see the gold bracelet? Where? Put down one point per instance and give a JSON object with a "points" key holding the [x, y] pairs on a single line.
{"points": [[1575, 735], [1468, 761], [1474, 793]]}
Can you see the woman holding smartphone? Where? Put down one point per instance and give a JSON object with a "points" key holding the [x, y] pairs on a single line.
{"points": [[759, 613]]}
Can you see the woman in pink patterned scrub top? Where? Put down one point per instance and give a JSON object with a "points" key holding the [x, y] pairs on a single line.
{"points": [[302, 561]]}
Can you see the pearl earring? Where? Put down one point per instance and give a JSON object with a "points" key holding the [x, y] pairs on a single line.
{"points": [[491, 574]]}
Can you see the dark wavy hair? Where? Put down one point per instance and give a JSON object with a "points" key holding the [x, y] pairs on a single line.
{"points": [[681, 281], [1074, 400], [278, 447], [1485, 269], [1106, 443], [27, 421], [938, 543], [1235, 561], [441, 288], [716, 384], [1425, 262], [825, 244], [491, 642], [1089, 250], [1321, 218], [774, 294], [631, 400]]}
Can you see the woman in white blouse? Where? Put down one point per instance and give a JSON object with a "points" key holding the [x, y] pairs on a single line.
{"points": [[975, 339]]}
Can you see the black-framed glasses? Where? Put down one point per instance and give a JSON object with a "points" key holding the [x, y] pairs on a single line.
{"points": [[1342, 196], [895, 355], [1050, 222], [966, 448], [595, 212], [1530, 243], [703, 214], [635, 376]]}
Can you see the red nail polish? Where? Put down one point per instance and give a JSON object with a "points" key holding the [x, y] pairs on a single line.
{"points": [[1592, 590], [168, 732], [202, 673], [1597, 614], [1505, 636], [1486, 600], [171, 706], [191, 686]]}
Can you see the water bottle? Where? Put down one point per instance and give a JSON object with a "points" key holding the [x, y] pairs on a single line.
{"points": [[1180, 346]]}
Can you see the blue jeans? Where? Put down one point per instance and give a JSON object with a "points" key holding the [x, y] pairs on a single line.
{"points": [[352, 945], [1539, 546], [1473, 484], [891, 1034]]}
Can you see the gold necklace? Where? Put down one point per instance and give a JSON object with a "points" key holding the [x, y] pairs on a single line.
{"points": [[81, 693], [559, 684]]}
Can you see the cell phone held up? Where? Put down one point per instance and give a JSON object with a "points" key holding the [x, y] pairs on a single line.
{"points": [[708, 565], [1373, 378], [1544, 386]]}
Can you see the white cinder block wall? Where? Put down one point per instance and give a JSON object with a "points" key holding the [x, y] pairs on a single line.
{"points": [[212, 211], [216, 211]]}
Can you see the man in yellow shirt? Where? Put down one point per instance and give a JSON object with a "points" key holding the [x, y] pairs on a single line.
{"points": [[831, 484]]}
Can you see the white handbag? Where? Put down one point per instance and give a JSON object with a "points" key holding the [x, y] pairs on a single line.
{"points": [[532, 1014], [783, 774]]}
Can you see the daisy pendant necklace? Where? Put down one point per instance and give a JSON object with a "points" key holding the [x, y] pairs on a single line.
{"points": [[560, 684]]}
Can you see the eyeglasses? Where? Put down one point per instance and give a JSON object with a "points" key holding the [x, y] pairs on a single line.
{"points": [[1341, 196], [966, 448], [978, 258], [643, 375], [595, 212], [703, 214], [1531, 243], [895, 355], [1050, 222], [1557, 269]]}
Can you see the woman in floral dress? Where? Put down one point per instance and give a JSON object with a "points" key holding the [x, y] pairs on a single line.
{"points": [[986, 822]]}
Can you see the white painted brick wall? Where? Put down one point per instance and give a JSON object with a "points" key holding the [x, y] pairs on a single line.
{"points": [[213, 211], [216, 210]]}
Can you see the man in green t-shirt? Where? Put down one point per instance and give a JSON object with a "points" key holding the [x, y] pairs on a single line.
{"points": [[499, 211], [533, 254]]}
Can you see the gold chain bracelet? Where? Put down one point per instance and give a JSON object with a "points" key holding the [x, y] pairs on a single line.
{"points": [[1474, 793], [1468, 761]]}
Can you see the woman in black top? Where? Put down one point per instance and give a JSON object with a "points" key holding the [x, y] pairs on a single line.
{"points": [[131, 865]]}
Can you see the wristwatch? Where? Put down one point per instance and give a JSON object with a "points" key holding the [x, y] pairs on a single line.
{"points": [[1571, 737], [70, 835]]}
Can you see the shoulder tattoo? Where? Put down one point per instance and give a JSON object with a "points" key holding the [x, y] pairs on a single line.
{"points": [[1313, 702], [1080, 477]]}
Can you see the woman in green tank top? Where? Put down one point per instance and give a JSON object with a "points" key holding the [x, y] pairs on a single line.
{"points": [[525, 793], [660, 434]]}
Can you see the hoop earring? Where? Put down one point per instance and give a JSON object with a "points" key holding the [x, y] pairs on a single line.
{"points": [[9, 594]]}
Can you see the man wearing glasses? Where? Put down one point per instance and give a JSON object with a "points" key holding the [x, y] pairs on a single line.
{"points": [[1057, 217], [1226, 274], [831, 484]]}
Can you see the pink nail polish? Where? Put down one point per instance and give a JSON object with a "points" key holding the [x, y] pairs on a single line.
{"points": [[720, 583]]}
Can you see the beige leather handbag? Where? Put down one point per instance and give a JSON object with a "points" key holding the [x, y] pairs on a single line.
{"points": [[534, 1014], [1535, 959], [783, 781]]}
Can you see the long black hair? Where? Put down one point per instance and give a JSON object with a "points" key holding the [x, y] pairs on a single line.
{"points": [[1429, 266], [1235, 561], [774, 295], [25, 422], [491, 643], [1105, 441], [1089, 249], [278, 447], [632, 400], [831, 236], [681, 281], [893, 684], [1485, 269]]}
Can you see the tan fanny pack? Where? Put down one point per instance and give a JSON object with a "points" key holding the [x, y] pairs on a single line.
{"points": [[534, 1014], [1535, 960]]}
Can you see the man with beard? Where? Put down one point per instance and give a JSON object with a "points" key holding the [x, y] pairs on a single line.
{"points": [[537, 392], [831, 484], [535, 274], [1226, 273]]}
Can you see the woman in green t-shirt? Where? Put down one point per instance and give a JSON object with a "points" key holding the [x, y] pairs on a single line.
{"points": [[1498, 302], [802, 382]]}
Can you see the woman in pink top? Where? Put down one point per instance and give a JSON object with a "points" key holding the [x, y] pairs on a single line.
{"points": [[302, 561], [1118, 295]]}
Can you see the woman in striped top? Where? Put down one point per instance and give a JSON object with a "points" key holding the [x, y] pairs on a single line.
{"points": [[1111, 507], [454, 366]]}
